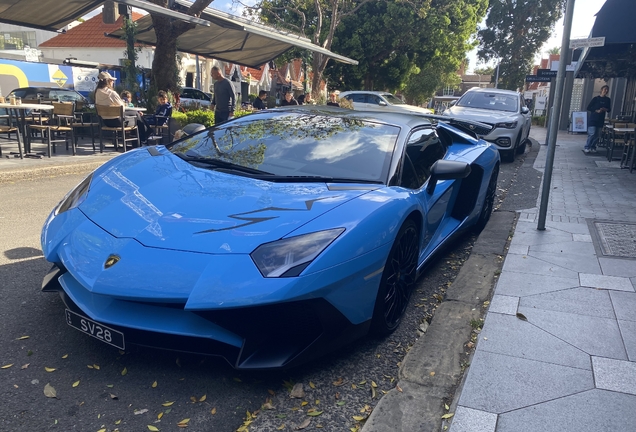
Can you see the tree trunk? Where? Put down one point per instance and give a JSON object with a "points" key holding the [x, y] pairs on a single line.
{"points": [[165, 70]]}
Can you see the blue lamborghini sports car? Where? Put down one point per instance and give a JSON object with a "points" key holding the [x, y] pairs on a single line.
{"points": [[269, 239]]}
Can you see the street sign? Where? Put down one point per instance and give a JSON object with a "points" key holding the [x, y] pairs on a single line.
{"points": [[546, 73], [590, 42], [535, 78]]}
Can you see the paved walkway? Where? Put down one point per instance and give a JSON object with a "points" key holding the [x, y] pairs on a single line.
{"points": [[557, 352]]}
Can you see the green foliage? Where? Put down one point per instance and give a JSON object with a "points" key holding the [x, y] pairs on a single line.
{"points": [[203, 117], [180, 117], [395, 40], [486, 70], [515, 32], [132, 54]]}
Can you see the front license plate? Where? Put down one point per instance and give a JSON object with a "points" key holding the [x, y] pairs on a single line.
{"points": [[95, 329]]}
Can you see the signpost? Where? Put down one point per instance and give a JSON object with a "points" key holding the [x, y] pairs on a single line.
{"points": [[536, 78], [590, 42], [546, 73]]}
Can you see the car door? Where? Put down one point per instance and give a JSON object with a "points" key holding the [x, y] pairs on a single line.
{"points": [[423, 149]]}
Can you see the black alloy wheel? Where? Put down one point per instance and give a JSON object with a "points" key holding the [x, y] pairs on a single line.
{"points": [[398, 279], [489, 202]]}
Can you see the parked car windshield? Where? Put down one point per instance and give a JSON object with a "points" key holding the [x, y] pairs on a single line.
{"points": [[489, 101], [298, 144], [393, 100]]}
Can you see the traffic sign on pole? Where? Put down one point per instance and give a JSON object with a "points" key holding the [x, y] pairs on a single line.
{"points": [[590, 42], [535, 78], [546, 73]]}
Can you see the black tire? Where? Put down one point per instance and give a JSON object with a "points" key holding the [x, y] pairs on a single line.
{"points": [[398, 279], [489, 202], [521, 149]]}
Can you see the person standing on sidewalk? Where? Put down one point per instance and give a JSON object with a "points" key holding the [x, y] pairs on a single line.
{"points": [[224, 99], [597, 107]]}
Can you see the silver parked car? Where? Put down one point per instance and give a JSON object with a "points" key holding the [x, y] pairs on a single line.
{"points": [[364, 100], [192, 98], [504, 110]]}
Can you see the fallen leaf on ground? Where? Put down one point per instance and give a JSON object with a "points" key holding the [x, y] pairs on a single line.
{"points": [[65, 356], [112, 396], [447, 416], [213, 411], [159, 416], [96, 366], [359, 418], [141, 411], [166, 404], [22, 337], [76, 383], [6, 366], [312, 385], [154, 384], [48, 369], [314, 413], [203, 398], [49, 391], [24, 366], [124, 372], [303, 425], [298, 392], [153, 428], [521, 316], [338, 382]]}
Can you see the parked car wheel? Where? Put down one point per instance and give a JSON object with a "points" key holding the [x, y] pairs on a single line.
{"points": [[489, 202], [398, 278], [521, 148]]}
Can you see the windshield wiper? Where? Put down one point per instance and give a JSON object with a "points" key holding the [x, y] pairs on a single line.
{"points": [[314, 179], [218, 163]]}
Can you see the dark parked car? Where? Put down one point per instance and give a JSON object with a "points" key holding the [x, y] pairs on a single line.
{"points": [[49, 93]]}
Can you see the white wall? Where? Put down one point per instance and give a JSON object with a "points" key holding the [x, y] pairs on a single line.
{"points": [[109, 56]]}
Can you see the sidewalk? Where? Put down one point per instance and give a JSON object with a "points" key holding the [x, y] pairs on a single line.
{"points": [[557, 352], [61, 162]]}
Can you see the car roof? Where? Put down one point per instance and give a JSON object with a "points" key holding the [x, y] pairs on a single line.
{"points": [[47, 88], [365, 91], [492, 90]]}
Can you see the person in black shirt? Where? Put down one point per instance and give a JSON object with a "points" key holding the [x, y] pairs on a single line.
{"points": [[258, 103], [597, 107], [289, 100], [333, 100]]}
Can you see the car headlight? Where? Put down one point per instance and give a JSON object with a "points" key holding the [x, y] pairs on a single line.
{"points": [[507, 125], [75, 197], [290, 256]]}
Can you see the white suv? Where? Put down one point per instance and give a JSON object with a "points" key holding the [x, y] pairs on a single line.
{"points": [[381, 101], [504, 110]]}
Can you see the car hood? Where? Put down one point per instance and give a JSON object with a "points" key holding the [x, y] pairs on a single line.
{"points": [[480, 115], [164, 202], [411, 109]]}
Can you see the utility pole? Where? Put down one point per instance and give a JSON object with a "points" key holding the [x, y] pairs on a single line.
{"points": [[554, 116]]}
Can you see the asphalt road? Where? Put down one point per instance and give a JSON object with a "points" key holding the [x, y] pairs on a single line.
{"points": [[99, 388]]}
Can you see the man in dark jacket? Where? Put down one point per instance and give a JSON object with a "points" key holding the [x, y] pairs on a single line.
{"points": [[597, 107], [289, 100], [258, 103], [224, 98]]}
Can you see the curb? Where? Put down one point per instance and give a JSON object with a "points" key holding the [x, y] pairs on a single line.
{"points": [[34, 173], [432, 369]]}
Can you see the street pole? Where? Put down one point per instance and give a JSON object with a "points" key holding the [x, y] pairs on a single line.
{"points": [[554, 117], [497, 73]]}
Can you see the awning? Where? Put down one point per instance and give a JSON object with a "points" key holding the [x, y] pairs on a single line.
{"points": [[617, 58], [231, 38], [49, 15]]}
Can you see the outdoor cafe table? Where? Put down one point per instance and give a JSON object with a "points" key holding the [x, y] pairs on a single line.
{"points": [[19, 111]]}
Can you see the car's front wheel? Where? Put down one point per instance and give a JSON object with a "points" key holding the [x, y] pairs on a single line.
{"points": [[489, 202], [398, 279]]}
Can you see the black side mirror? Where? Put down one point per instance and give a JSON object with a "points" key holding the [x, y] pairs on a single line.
{"points": [[446, 170]]}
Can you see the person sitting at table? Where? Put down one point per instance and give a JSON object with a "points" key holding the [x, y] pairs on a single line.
{"points": [[163, 111], [106, 95], [127, 98], [289, 99]]}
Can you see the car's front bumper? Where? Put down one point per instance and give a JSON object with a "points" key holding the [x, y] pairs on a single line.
{"points": [[278, 335]]}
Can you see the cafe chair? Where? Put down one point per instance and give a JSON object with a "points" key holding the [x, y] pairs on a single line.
{"points": [[85, 122], [7, 126], [616, 140], [627, 158], [59, 127], [127, 133]]}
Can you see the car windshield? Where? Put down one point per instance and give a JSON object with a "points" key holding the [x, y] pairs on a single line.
{"points": [[490, 101], [296, 146], [393, 100]]}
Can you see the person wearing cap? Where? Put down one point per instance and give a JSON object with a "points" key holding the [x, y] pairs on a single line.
{"points": [[106, 95]]}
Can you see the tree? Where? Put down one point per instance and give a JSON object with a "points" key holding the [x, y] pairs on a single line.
{"points": [[554, 50], [165, 71], [317, 19], [484, 70], [393, 41], [515, 31]]}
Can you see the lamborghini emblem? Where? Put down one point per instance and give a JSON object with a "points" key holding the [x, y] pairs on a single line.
{"points": [[111, 261]]}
